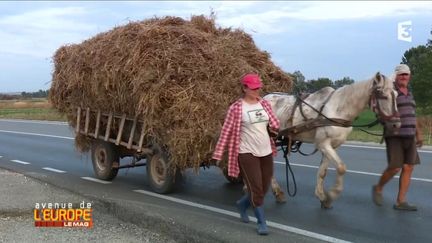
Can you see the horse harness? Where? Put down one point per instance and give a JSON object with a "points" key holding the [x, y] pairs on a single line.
{"points": [[320, 121], [375, 106], [284, 138]]}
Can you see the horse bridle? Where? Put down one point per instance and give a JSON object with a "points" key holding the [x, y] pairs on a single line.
{"points": [[377, 95]]}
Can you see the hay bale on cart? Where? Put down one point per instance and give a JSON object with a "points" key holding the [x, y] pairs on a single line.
{"points": [[173, 78]]}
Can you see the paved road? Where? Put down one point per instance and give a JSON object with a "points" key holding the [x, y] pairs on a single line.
{"points": [[353, 218]]}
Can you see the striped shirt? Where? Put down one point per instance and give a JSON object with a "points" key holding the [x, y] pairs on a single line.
{"points": [[407, 108]]}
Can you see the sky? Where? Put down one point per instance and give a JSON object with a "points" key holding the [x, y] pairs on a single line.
{"points": [[321, 39]]}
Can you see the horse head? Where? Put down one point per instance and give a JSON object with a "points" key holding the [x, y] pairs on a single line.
{"points": [[383, 103]]}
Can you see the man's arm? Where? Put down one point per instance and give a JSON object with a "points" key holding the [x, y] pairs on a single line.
{"points": [[419, 135]]}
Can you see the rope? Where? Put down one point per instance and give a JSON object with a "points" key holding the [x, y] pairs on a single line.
{"points": [[284, 142], [368, 125], [296, 148], [371, 133], [288, 171]]}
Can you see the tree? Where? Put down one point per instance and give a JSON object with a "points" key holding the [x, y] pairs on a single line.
{"points": [[317, 84], [342, 82], [299, 81], [419, 59], [429, 44], [39, 94], [310, 86]]}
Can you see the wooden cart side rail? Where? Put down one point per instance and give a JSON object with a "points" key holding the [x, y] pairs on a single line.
{"points": [[84, 115]]}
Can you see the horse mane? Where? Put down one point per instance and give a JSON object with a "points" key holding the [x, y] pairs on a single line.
{"points": [[346, 93], [355, 87]]}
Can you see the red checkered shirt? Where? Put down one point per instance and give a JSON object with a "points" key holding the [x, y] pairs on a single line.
{"points": [[230, 135]]}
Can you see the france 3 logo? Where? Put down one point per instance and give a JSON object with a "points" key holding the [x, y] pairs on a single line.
{"points": [[405, 31]]}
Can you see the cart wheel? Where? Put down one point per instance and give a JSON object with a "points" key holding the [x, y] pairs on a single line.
{"points": [[104, 157], [231, 179], [160, 174]]}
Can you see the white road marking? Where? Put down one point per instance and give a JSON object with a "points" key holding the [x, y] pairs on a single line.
{"points": [[301, 165], [36, 134], [353, 171], [71, 138], [35, 122], [20, 162], [54, 170], [380, 148], [236, 215], [363, 146], [96, 180]]}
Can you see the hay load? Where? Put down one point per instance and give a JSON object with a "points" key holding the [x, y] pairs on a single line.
{"points": [[177, 75]]}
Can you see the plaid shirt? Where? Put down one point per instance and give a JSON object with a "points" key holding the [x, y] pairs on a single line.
{"points": [[230, 135]]}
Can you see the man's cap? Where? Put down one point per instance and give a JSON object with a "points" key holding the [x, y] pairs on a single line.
{"points": [[402, 69]]}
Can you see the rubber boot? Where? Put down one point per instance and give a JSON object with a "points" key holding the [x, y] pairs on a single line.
{"points": [[262, 225], [243, 204]]}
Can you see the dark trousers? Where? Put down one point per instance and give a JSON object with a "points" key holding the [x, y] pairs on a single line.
{"points": [[257, 173]]}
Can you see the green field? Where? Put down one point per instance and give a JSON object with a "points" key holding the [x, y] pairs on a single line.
{"points": [[366, 117], [40, 109], [31, 109], [31, 114]]}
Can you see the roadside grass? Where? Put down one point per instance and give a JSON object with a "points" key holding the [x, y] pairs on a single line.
{"points": [[41, 109], [368, 116], [364, 118], [30, 109]]}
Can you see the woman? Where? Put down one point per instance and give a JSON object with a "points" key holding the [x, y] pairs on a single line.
{"points": [[250, 148]]}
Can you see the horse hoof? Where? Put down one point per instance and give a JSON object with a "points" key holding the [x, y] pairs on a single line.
{"points": [[280, 198], [326, 205]]}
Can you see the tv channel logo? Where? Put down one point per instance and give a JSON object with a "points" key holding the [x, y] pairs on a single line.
{"points": [[405, 31]]}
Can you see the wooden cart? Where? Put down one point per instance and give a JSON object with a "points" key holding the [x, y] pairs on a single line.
{"points": [[116, 136]]}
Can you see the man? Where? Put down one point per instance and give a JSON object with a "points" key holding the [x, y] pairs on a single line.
{"points": [[401, 148]]}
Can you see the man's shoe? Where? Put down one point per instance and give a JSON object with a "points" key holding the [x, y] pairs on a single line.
{"points": [[377, 196], [405, 206]]}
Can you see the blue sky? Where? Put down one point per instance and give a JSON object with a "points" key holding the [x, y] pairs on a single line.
{"points": [[321, 39]]}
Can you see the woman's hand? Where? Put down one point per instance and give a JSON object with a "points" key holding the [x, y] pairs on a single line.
{"points": [[273, 133]]}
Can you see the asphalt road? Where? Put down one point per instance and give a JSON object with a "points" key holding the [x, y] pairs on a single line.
{"points": [[354, 217]]}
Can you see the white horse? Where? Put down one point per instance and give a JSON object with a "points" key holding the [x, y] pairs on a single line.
{"points": [[345, 103]]}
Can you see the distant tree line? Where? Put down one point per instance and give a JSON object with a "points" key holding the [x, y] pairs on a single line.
{"points": [[25, 95], [301, 85], [419, 59], [9, 97], [38, 94]]}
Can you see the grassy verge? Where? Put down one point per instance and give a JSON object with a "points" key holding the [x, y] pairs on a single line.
{"points": [[357, 135], [366, 117], [40, 109], [32, 109]]}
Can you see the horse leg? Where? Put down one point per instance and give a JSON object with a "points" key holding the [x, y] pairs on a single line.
{"points": [[245, 189], [337, 188], [277, 191], [319, 189]]}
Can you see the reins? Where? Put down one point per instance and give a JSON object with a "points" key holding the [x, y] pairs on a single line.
{"points": [[286, 144]]}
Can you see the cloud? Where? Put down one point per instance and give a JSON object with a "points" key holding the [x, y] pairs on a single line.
{"points": [[39, 32], [360, 10], [50, 18], [273, 19]]}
